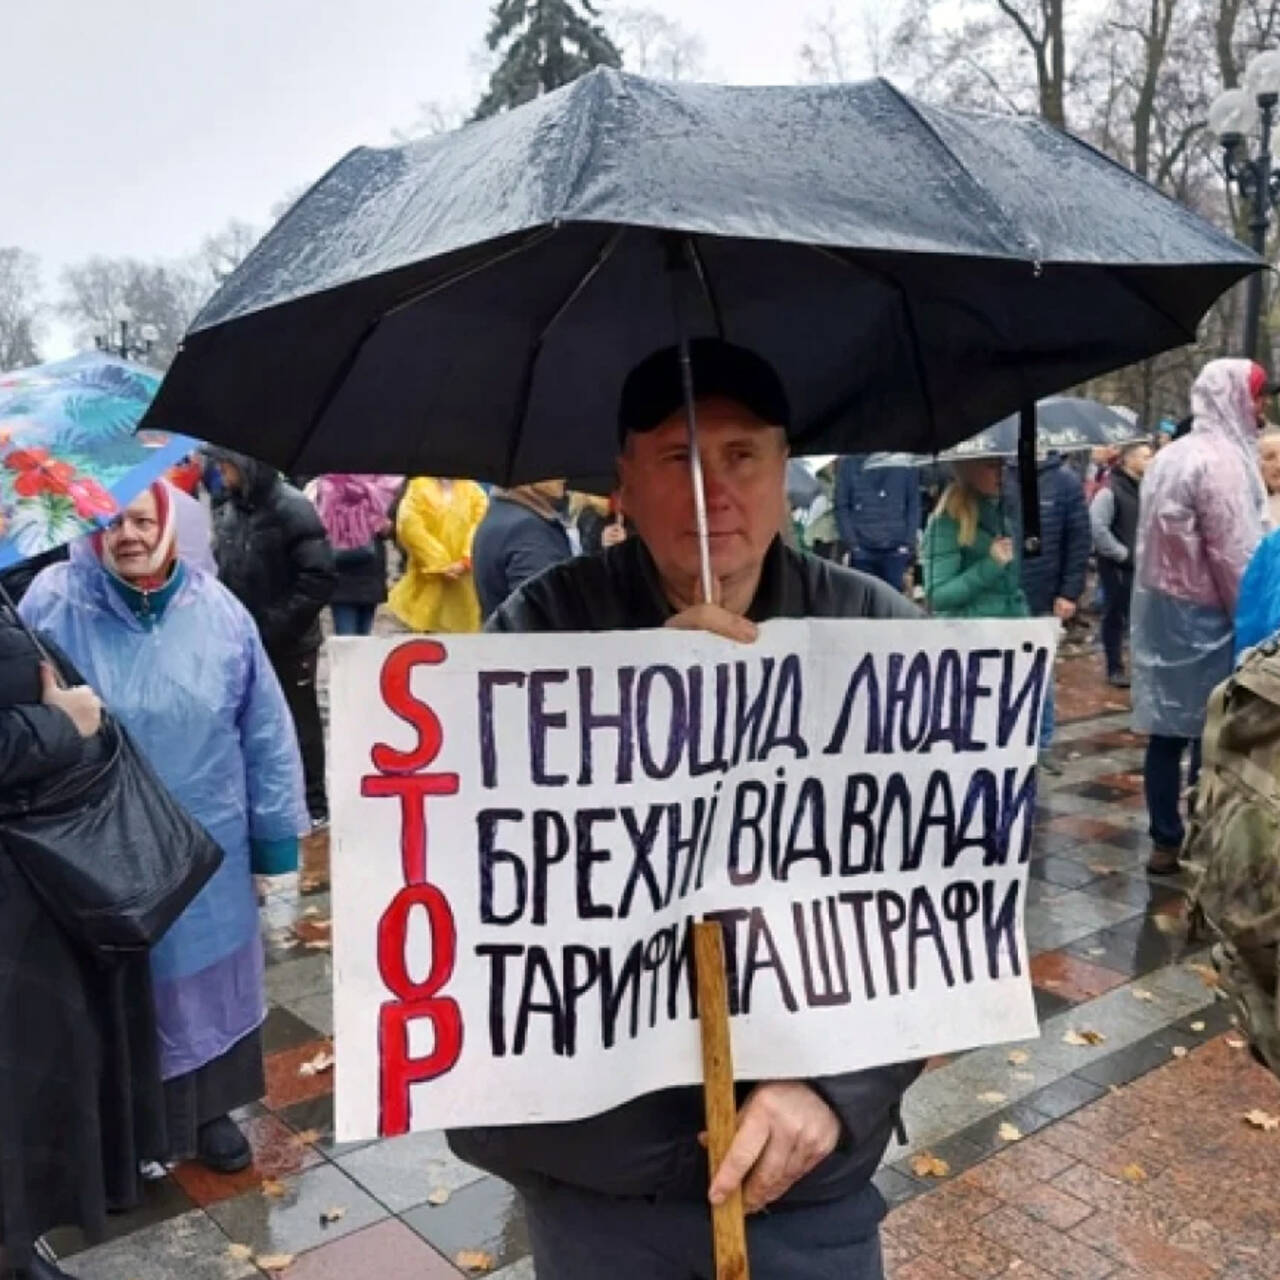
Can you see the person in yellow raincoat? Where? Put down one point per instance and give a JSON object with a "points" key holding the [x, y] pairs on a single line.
{"points": [[435, 525]]}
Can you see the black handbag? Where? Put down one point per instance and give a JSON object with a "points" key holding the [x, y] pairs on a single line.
{"points": [[107, 849]]}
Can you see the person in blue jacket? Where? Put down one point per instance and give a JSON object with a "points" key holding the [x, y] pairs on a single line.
{"points": [[178, 661], [878, 515], [1053, 581], [1258, 604]]}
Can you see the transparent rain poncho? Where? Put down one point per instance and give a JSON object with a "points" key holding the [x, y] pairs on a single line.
{"points": [[198, 695], [1203, 515]]}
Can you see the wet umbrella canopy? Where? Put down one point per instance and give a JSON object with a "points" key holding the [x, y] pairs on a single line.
{"points": [[470, 304]]}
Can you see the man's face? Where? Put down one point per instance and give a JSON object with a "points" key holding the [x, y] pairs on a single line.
{"points": [[1269, 457], [1136, 461], [552, 490], [133, 538], [744, 464], [231, 476]]}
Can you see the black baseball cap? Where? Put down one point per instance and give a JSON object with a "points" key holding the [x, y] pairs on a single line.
{"points": [[654, 389]]}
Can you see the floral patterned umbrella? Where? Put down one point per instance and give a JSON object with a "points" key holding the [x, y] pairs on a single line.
{"points": [[70, 458]]}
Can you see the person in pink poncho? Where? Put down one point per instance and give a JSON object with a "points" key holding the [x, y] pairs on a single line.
{"points": [[1202, 514], [355, 512]]}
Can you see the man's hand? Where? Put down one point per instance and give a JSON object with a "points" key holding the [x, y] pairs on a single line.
{"points": [[712, 616], [1064, 610], [615, 532], [81, 704], [784, 1130]]}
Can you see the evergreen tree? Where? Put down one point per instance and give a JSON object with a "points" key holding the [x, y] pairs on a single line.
{"points": [[546, 44]]}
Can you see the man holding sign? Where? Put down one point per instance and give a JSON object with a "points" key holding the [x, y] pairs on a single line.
{"points": [[625, 1192]]}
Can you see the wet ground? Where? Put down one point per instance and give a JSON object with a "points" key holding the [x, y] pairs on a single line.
{"points": [[1115, 1146]]}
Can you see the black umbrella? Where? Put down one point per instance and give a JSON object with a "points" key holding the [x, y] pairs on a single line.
{"points": [[469, 304]]}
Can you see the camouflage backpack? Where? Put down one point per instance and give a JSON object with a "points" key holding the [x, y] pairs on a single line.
{"points": [[1233, 844]]}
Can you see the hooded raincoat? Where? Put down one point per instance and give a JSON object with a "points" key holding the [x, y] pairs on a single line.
{"points": [[1202, 515], [190, 681], [435, 528]]}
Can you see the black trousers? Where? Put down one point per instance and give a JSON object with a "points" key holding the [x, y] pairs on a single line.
{"points": [[297, 676], [1117, 590]]}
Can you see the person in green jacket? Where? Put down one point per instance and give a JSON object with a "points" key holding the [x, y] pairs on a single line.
{"points": [[969, 561]]}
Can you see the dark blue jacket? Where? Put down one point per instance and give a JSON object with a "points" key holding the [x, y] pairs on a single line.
{"points": [[877, 510], [513, 543], [1065, 537]]}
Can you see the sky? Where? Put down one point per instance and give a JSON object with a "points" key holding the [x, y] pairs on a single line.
{"points": [[140, 126]]}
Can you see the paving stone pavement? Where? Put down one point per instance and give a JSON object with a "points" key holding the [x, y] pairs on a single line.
{"points": [[1135, 1159]]}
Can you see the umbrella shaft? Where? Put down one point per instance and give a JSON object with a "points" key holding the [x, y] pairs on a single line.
{"points": [[695, 473]]}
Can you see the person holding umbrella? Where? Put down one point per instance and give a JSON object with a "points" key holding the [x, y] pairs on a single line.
{"points": [[631, 1184], [878, 514]]}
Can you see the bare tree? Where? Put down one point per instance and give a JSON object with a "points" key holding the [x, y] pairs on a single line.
{"points": [[165, 295], [20, 308], [976, 53], [433, 117], [826, 54], [654, 45], [223, 251]]}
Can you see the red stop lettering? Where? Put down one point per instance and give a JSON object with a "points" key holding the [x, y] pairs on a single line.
{"points": [[396, 673]]}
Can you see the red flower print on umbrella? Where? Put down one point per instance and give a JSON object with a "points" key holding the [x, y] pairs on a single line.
{"points": [[39, 472], [92, 501]]}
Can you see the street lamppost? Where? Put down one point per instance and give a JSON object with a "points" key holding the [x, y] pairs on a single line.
{"points": [[128, 344], [1233, 116]]}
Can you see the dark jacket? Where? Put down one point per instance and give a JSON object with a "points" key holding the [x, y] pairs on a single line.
{"points": [[19, 577], [1065, 537], [649, 1146], [81, 1100], [513, 543], [877, 510], [273, 554], [361, 574]]}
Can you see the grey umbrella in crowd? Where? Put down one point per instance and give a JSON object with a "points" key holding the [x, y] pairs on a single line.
{"points": [[1064, 424], [469, 304]]}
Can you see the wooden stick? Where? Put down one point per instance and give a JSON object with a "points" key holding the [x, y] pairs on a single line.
{"points": [[728, 1221]]}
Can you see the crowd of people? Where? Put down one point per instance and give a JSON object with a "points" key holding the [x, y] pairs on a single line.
{"points": [[197, 619]]}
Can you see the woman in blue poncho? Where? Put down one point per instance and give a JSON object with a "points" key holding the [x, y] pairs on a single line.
{"points": [[177, 659]]}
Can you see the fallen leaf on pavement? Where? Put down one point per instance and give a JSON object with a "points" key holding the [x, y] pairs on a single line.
{"points": [[992, 1097], [475, 1261], [1263, 1120], [1197, 1026], [1167, 924], [274, 1189], [274, 1261], [1019, 1057], [1101, 869], [1180, 1050], [322, 1062], [439, 1196], [311, 913], [1024, 1076], [307, 1137], [926, 1165], [311, 884], [1234, 1044], [1096, 951], [1134, 1173], [1009, 1133], [319, 944], [1139, 993], [330, 1216], [1086, 1037], [1206, 973], [240, 1252]]}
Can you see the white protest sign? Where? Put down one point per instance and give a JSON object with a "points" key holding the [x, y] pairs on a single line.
{"points": [[526, 826]]}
